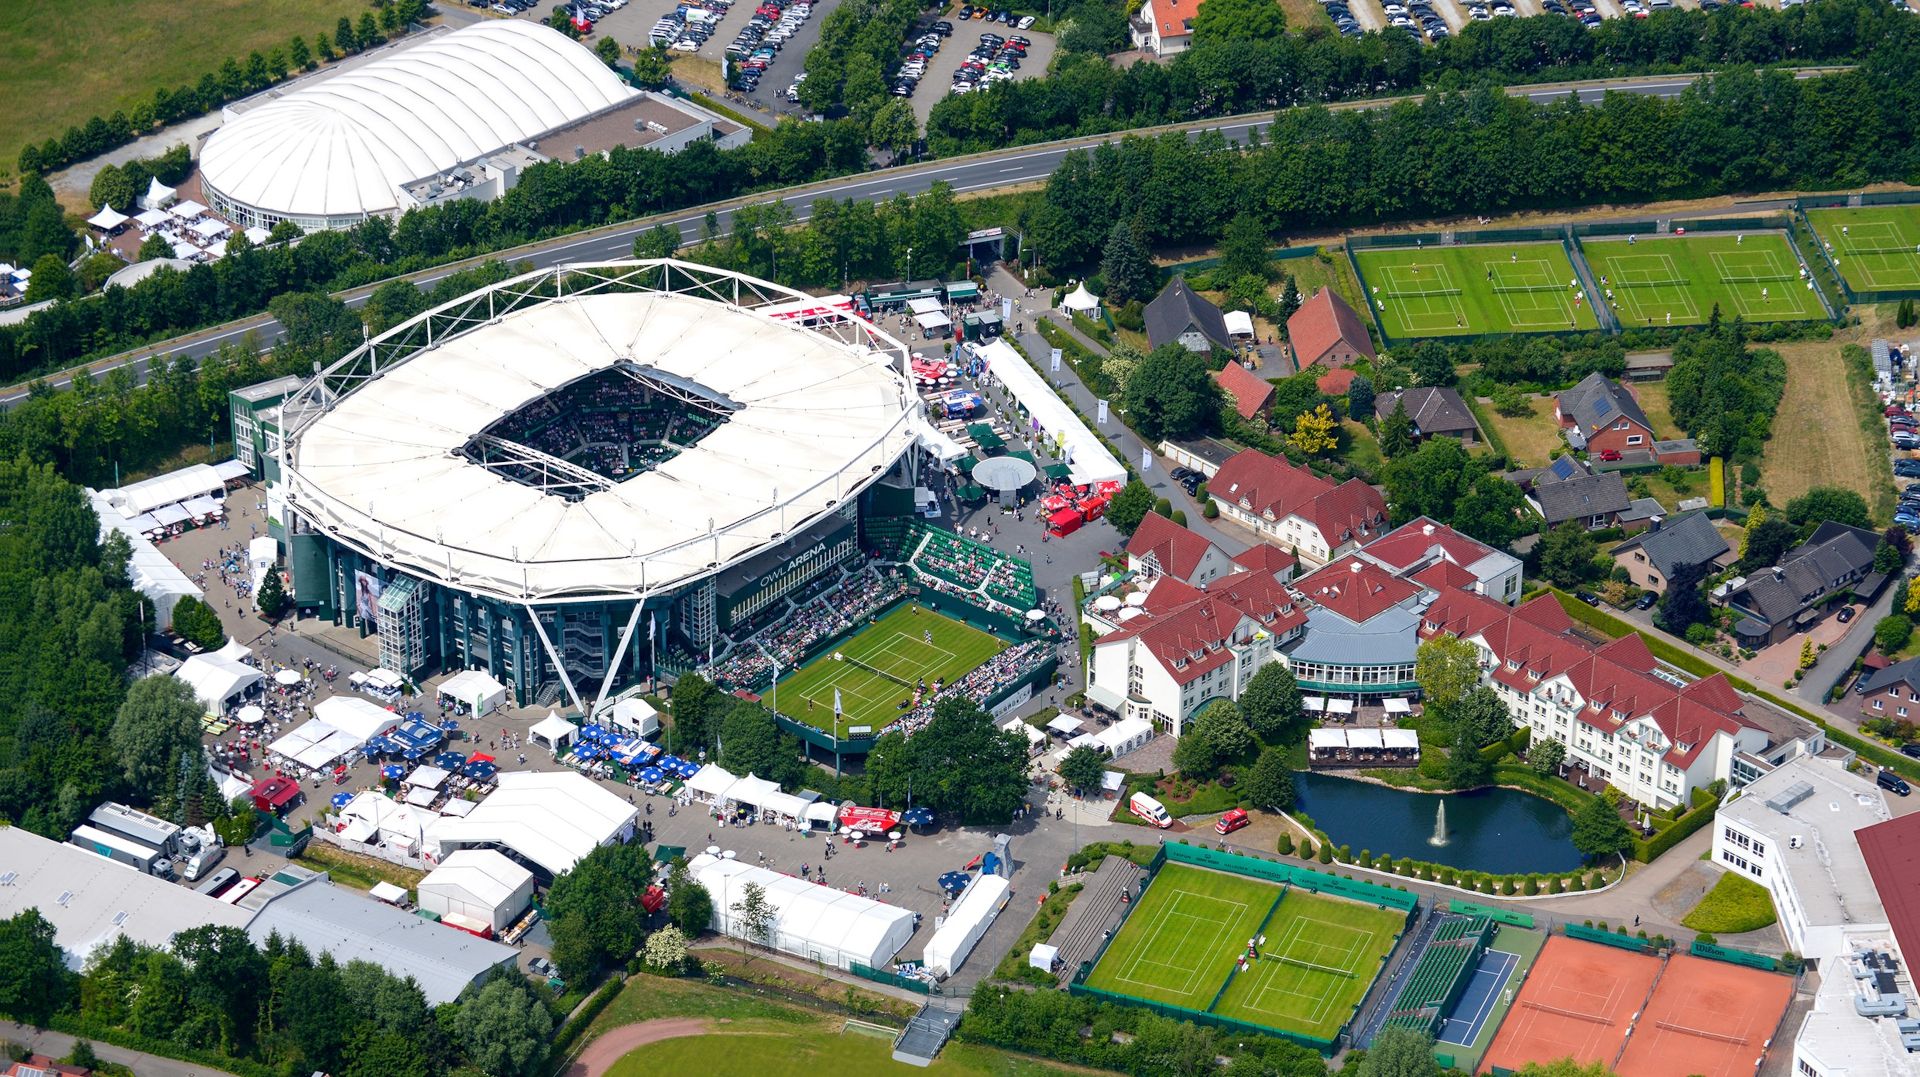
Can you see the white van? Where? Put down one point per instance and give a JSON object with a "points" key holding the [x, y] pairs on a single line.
{"points": [[1149, 809]]}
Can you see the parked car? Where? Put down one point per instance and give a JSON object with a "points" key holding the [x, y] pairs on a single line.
{"points": [[1907, 468], [1609, 455], [1892, 782], [1646, 601], [1846, 614], [1911, 748], [1588, 597]]}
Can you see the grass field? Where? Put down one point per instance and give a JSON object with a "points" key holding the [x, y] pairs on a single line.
{"points": [[60, 58], [1877, 247], [1734, 904], [1462, 290], [1530, 439], [1818, 398], [878, 667], [1182, 942], [1678, 280], [784, 1049]]}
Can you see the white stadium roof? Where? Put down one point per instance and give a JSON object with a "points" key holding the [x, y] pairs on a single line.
{"points": [[343, 146], [819, 417]]}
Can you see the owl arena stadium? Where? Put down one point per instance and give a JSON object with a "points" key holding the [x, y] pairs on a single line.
{"points": [[591, 477]]}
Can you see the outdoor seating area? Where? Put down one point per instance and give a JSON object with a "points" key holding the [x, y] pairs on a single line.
{"points": [[975, 567], [796, 624], [1363, 747]]}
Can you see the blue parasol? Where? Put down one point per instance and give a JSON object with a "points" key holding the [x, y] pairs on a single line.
{"points": [[341, 800], [955, 881], [393, 772], [479, 771], [652, 774], [449, 760], [917, 817]]}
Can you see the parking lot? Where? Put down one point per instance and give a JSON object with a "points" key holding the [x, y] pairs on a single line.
{"points": [[938, 81], [1430, 20]]}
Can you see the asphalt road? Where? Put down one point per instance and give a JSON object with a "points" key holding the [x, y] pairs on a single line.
{"points": [[978, 172]]}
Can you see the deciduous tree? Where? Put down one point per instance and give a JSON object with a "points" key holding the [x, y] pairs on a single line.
{"points": [[158, 726], [1598, 830], [1268, 783], [1566, 555], [1082, 768], [1314, 432], [1172, 395], [1272, 705], [505, 1029]]}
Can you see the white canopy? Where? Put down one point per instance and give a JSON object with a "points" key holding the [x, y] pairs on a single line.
{"points": [[1239, 323], [1112, 780], [553, 731], [375, 819], [1080, 300], [210, 228], [420, 797], [315, 745], [217, 682], [1363, 738], [711, 783], [1340, 706], [151, 572], [1042, 956], [257, 235], [925, 305], [933, 320], [1396, 705], [752, 791], [202, 507], [477, 689], [965, 923], [108, 219], [550, 819], [1405, 740], [1087, 459], [389, 893], [168, 515], [359, 718], [1064, 724], [231, 470], [1126, 735], [1314, 703], [1084, 740], [217, 249], [150, 219], [821, 811], [158, 194], [174, 487], [1323, 739], [235, 650], [785, 805], [427, 777], [184, 250], [820, 923], [1034, 734], [187, 210], [480, 883]]}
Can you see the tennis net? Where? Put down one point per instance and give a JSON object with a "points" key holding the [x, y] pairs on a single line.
{"points": [[1576, 1014], [1529, 287], [1669, 283], [1419, 293], [1329, 969], [1875, 248], [878, 672], [1754, 278], [1724, 1037]]}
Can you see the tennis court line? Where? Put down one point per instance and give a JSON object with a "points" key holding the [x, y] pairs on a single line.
{"points": [[1487, 1001]]}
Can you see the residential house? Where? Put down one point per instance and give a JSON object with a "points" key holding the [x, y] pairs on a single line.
{"points": [[1252, 395], [42, 1066], [1776, 602], [1325, 330], [1656, 555], [1187, 647], [1436, 411], [1161, 547], [1180, 315], [1601, 416], [1295, 509], [1433, 554], [1893, 692], [1595, 501], [1164, 27]]}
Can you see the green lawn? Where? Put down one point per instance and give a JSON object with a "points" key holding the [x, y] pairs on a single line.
{"points": [[1182, 941], [815, 1050], [1472, 289], [1679, 280], [1735, 904], [1343, 941], [875, 670], [75, 60], [1877, 247]]}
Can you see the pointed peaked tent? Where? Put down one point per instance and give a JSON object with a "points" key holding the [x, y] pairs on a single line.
{"points": [[108, 219], [553, 732], [158, 196], [1080, 301]]}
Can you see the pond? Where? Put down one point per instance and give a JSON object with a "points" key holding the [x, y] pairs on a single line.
{"points": [[1503, 831]]}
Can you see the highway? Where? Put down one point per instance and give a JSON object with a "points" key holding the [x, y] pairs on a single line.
{"points": [[977, 172]]}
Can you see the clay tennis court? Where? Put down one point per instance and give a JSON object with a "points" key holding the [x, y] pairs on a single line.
{"points": [[1707, 1018], [1578, 1000]]}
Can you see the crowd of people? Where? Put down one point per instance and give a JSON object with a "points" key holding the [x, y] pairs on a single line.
{"points": [[609, 424], [229, 565], [798, 626], [991, 676]]}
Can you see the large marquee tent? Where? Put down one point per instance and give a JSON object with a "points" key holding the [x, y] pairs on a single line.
{"points": [[548, 820], [812, 921], [218, 681], [478, 883], [966, 922]]}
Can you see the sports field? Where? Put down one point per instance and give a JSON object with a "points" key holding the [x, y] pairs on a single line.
{"points": [[1706, 1017], [1678, 280], [1182, 945], [877, 669], [1877, 247], [1472, 289], [1579, 1001]]}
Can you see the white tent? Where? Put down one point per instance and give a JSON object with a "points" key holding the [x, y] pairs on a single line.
{"points": [[358, 718], [158, 195], [636, 716], [1043, 957], [108, 219], [1364, 738], [933, 319], [174, 487], [1064, 724], [966, 922], [710, 783], [752, 792], [151, 572], [152, 218], [479, 883], [816, 922], [257, 235], [822, 813], [218, 682], [1034, 734], [1080, 301], [427, 777], [375, 820], [315, 745], [548, 820], [785, 805], [188, 210], [388, 893], [924, 305], [231, 470], [1087, 458], [553, 733], [1126, 735], [1239, 323], [235, 650], [477, 689], [210, 228], [1404, 740]]}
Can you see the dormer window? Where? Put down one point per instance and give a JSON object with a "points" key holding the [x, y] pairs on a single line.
{"points": [[1513, 664], [1619, 716]]}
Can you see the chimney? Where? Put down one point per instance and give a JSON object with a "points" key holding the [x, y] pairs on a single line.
{"points": [[1426, 529], [1354, 568]]}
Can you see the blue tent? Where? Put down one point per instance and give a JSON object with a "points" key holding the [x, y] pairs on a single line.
{"points": [[955, 881], [341, 800]]}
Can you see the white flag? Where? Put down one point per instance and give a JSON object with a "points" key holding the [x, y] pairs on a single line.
{"points": [[836, 702], [653, 622]]}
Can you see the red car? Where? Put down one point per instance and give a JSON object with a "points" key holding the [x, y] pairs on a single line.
{"points": [[1895, 409], [1609, 455], [1231, 821]]}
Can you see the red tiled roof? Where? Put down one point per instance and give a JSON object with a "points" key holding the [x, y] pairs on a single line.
{"points": [[1892, 852], [1266, 558], [1416, 540], [1189, 639], [1269, 484], [1250, 392], [1174, 16], [1322, 322], [1445, 574], [1355, 589], [1177, 548], [1170, 593], [1337, 381], [1462, 613]]}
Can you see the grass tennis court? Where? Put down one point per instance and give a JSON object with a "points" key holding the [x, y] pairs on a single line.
{"points": [[1474, 288], [1181, 945], [878, 667], [1678, 280], [1877, 247]]}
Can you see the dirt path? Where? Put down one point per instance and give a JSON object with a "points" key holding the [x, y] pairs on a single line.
{"points": [[614, 1043]]}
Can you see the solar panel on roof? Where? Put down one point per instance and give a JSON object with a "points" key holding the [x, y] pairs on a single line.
{"points": [[1562, 468], [1603, 406]]}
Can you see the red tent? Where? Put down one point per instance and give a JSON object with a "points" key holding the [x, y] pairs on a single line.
{"points": [[654, 899], [873, 820], [1094, 507], [1064, 523], [274, 794]]}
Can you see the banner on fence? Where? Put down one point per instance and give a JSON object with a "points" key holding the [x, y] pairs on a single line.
{"points": [[1468, 908], [1607, 938], [1733, 956]]}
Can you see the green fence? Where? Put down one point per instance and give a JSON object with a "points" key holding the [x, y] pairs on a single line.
{"points": [[1826, 260], [1277, 872], [1181, 1013], [1607, 938], [1468, 908], [891, 979], [1732, 956]]}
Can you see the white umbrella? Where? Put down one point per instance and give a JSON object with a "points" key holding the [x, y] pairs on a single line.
{"points": [[251, 715], [713, 850], [288, 677], [728, 855], [1036, 615]]}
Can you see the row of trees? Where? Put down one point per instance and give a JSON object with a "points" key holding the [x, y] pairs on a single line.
{"points": [[120, 186], [233, 80], [1231, 74], [1484, 151], [841, 241], [32, 226], [214, 994]]}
